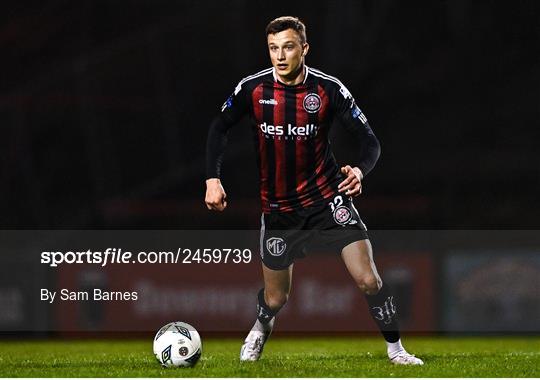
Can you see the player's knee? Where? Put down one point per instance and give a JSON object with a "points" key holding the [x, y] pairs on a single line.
{"points": [[276, 300], [370, 284]]}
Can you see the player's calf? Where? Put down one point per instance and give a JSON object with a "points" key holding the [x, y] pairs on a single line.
{"points": [[383, 310]]}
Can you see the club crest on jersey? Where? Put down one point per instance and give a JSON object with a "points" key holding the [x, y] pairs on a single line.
{"points": [[312, 102], [342, 215], [276, 246]]}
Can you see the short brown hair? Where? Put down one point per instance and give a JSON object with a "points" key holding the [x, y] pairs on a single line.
{"points": [[287, 22]]}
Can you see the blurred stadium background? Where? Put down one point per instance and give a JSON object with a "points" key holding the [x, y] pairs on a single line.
{"points": [[104, 108]]}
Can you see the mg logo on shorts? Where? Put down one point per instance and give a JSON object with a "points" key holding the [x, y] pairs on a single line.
{"points": [[276, 246]]}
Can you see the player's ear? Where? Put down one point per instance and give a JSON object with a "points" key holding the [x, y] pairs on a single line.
{"points": [[305, 49]]}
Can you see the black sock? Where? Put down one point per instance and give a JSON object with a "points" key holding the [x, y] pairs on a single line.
{"points": [[382, 307], [264, 313]]}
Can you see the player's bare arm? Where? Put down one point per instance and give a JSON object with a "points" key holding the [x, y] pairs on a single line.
{"points": [[216, 198], [352, 185]]}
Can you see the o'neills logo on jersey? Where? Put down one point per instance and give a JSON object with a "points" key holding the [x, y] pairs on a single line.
{"points": [[268, 101], [288, 131]]}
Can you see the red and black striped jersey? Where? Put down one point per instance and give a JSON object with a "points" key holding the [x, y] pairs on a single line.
{"points": [[290, 126]]}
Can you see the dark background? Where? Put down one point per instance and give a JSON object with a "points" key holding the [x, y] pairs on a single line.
{"points": [[105, 105]]}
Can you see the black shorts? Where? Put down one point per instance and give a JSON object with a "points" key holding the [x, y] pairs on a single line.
{"points": [[326, 228]]}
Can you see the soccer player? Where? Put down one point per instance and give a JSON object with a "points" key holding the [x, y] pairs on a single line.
{"points": [[306, 197]]}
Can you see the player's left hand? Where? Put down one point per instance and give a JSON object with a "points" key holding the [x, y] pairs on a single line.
{"points": [[352, 185]]}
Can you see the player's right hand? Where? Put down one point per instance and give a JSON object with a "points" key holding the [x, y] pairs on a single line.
{"points": [[215, 199]]}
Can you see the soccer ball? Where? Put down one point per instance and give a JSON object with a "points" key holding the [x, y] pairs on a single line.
{"points": [[177, 344]]}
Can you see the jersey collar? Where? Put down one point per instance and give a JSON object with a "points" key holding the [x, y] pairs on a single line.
{"points": [[306, 73]]}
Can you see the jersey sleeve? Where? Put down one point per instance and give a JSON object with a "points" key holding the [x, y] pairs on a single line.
{"points": [[354, 121], [232, 111]]}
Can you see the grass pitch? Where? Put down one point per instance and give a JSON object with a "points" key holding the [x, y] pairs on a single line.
{"points": [[283, 357]]}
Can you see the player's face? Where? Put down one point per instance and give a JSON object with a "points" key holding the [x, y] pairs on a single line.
{"points": [[287, 54]]}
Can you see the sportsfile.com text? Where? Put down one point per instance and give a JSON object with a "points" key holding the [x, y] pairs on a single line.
{"points": [[119, 256]]}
